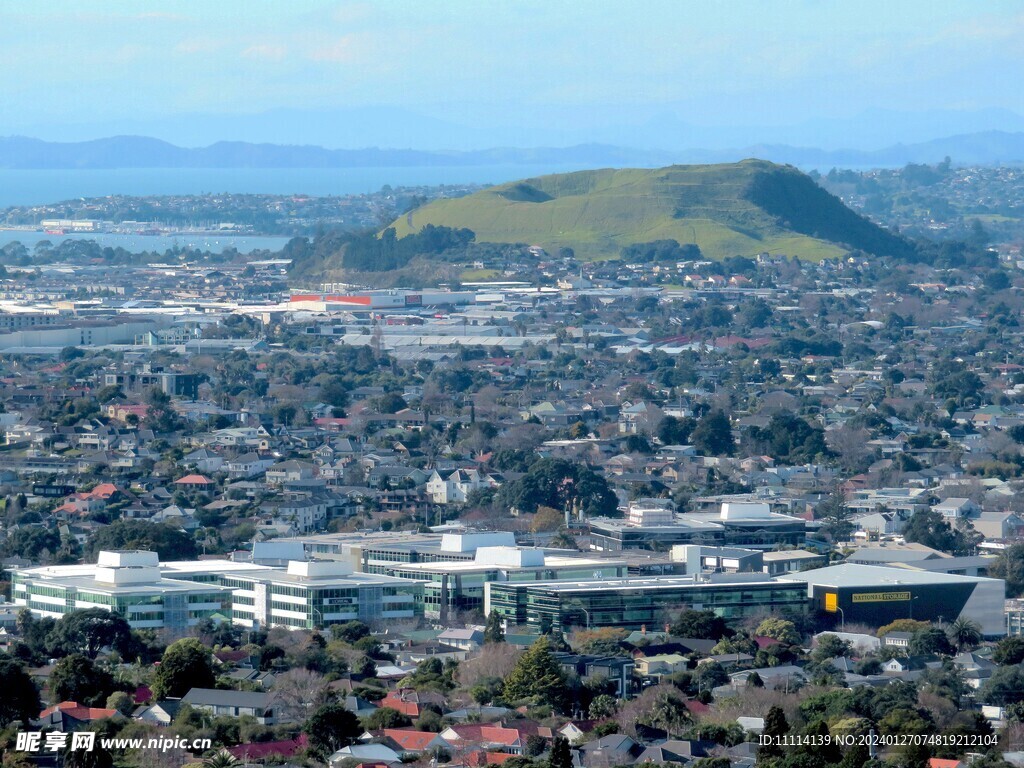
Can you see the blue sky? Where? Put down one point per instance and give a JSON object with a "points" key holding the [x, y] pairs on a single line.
{"points": [[488, 62]]}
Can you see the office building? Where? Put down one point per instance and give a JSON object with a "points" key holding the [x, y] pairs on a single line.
{"points": [[320, 593], [638, 603], [380, 552], [459, 586], [753, 526], [130, 583]]}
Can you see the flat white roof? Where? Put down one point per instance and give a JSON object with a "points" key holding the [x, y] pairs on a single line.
{"points": [[472, 566], [854, 575]]}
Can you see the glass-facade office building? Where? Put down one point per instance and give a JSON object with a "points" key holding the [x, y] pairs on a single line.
{"points": [[128, 583], [634, 603]]}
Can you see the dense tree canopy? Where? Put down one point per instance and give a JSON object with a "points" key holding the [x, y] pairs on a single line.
{"points": [[168, 542], [185, 665], [559, 484]]}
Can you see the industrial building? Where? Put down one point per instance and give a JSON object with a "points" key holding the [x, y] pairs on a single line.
{"points": [[877, 595], [637, 603], [129, 583], [370, 301]]}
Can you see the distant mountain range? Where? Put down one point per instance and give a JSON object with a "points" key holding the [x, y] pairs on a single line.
{"points": [[983, 148]]}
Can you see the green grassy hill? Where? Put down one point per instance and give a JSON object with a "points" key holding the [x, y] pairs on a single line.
{"points": [[737, 209]]}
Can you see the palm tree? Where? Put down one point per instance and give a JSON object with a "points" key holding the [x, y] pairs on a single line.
{"points": [[219, 759], [965, 634]]}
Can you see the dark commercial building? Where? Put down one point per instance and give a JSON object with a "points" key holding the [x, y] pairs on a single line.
{"points": [[636, 603], [877, 595]]}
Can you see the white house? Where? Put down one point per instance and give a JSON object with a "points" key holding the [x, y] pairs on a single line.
{"points": [[456, 487]]}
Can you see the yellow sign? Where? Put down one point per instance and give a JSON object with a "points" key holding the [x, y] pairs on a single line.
{"points": [[881, 597], [831, 602]]}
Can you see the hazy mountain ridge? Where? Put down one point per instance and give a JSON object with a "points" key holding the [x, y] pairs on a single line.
{"points": [[18, 152]]}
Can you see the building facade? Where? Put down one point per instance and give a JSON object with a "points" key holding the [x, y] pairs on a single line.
{"points": [[127, 583], [319, 593], [638, 603]]}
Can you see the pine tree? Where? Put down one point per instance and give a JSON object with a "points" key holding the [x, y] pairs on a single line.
{"points": [[561, 755], [537, 676], [494, 632], [775, 725]]}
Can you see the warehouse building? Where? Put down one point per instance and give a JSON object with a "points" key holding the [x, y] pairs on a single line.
{"points": [[877, 595]]}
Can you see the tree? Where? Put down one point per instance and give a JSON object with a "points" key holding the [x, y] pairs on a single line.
{"points": [[537, 676], [831, 647], [835, 516], [1009, 651], [702, 625], [219, 759], [494, 632], [89, 630], [185, 665], [350, 632], [902, 625], [546, 519], [20, 700], [713, 434], [558, 483], [77, 678], [168, 542], [1009, 566], [964, 634], [710, 675], [386, 717], [330, 728], [775, 726], [927, 641], [780, 629], [926, 526], [561, 755], [667, 712], [120, 701], [673, 431], [97, 757], [603, 705]]}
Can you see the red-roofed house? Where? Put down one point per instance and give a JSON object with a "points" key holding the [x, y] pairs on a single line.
{"points": [[70, 716], [193, 481], [491, 738], [90, 501], [410, 742], [938, 762], [409, 702], [266, 749]]}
